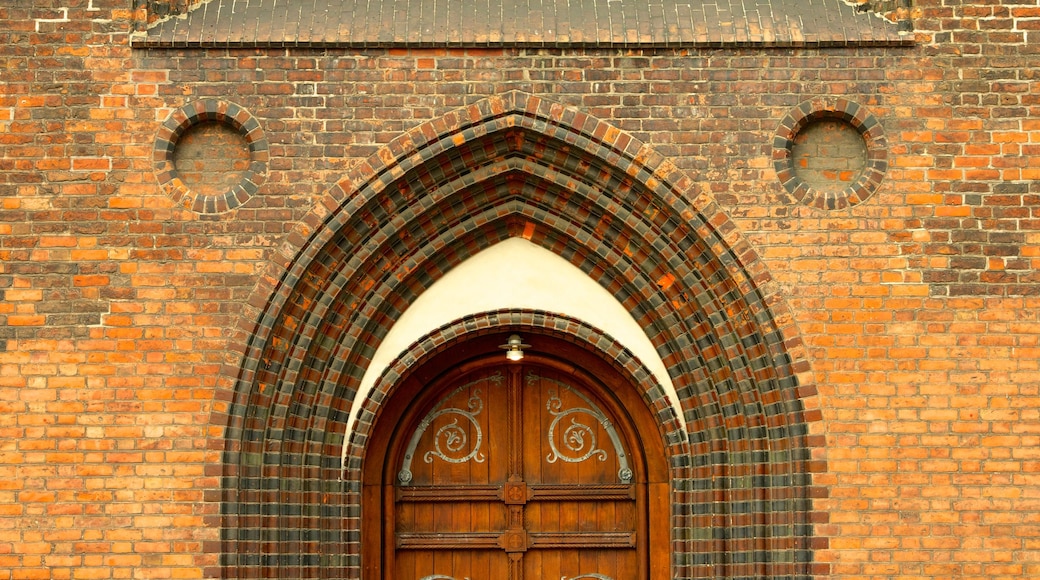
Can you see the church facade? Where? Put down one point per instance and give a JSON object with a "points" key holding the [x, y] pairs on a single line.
{"points": [[597, 289]]}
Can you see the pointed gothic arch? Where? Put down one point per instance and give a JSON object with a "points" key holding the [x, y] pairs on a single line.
{"points": [[518, 166]]}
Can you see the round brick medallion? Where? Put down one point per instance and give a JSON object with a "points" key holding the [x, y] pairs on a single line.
{"points": [[830, 154], [210, 156]]}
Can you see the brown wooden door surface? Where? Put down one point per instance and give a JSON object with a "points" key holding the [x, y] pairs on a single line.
{"points": [[513, 472]]}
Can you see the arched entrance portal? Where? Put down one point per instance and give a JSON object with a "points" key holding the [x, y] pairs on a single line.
{"points": [[548, 467], [516, 166]]}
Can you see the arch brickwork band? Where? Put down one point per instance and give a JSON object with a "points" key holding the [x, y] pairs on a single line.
{"points": [[519, 166]]}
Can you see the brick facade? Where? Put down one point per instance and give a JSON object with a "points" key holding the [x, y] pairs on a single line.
{"points": [[153, 338]]}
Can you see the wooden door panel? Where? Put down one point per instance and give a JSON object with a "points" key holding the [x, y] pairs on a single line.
{"points": [[452, 445], [584, 565], [449, 514], [513, 473], [442, 517], [453, 564], [574, 442], [581, 517]]}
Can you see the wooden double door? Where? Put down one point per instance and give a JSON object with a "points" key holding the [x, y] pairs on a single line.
{"points": [[512, 471]]}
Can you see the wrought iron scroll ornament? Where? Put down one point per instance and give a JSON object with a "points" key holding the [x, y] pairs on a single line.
{"points": [[451, 441], [579, 439]]}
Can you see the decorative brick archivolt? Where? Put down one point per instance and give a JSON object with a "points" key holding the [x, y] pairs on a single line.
{"points": [[222, 114], [870, 170], [519, 166]]}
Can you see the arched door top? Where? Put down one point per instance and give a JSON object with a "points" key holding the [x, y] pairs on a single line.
{"points": [[488, 330], [546, 467]]}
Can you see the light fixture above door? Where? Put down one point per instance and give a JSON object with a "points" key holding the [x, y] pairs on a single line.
{"points": [[514, 348]]}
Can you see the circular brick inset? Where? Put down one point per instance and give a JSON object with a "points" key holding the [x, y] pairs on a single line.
{"points": [[830, 154], [210, 156]]}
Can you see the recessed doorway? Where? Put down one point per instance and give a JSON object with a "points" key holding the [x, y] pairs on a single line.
{"points": [[546, 468]]}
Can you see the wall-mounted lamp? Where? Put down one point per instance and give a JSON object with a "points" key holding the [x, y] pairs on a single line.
{"points": [[514, 348]]}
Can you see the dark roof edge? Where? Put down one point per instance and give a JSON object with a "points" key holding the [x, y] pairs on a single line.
{"points": [[905, 40], [309, 24]]}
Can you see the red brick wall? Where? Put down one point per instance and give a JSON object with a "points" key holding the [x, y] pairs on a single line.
{"points": [[918, 307]]}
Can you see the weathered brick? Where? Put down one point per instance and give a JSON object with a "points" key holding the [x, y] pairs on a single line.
{"points": [[914, 310]]}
